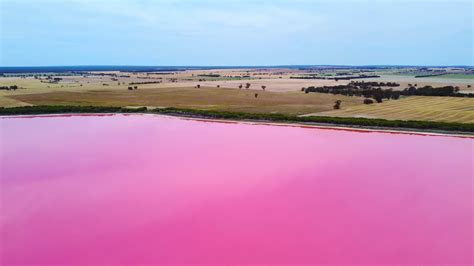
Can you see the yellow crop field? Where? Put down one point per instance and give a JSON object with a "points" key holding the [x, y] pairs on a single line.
{"points": [[296, 103], [447, 109]]}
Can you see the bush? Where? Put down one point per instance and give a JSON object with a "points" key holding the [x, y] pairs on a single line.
{"points": [[368, 101], [9, 88]]}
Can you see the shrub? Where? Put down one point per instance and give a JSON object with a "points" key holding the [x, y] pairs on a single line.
{"points": [[368, 101], [9, 88]]}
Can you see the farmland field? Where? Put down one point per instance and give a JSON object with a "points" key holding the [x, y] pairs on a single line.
{"points": [[446, 109], [269, 91], [203, 98], [457, 76]]}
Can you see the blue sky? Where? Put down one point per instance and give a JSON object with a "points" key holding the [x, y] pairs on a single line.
{"points": [[218, 32]]}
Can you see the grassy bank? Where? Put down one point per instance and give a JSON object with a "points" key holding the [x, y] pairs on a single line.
{"points": [[53, 109], [346, 121]]}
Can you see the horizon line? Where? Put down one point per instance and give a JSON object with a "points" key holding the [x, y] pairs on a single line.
{"points": [[238, 66]]}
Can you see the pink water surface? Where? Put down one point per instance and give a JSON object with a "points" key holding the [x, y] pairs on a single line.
{"points": [[145, 189]]}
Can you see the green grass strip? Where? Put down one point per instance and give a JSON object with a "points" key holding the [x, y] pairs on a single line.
{"points": [[346, 121]]}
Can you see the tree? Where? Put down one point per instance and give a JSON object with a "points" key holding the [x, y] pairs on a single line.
{"points": [[368, 101], [264, 87], [395, 95], [337, 104], [198, 86], [247, 85], [378, 98], [240, 86]]}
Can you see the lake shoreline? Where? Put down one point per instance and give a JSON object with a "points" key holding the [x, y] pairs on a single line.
{"points": [[328, 126]]}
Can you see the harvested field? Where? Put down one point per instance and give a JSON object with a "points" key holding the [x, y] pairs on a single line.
{"points": [[203, 98], [446, 109]]}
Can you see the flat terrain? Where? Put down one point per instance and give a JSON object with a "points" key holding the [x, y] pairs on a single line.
{"points": [[203, 98], [219, 90], [446, 109]]}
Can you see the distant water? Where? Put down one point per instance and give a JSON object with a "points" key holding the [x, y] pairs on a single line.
{"points": [[138, 189]]}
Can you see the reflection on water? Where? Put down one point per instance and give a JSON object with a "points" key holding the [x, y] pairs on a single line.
{"points": [[153, 189]]}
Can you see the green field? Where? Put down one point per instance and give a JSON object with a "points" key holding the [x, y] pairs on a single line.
{"points": [[456, 76]]}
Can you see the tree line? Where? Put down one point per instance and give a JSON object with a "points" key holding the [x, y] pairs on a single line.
{"points": [[450, 91], [336, 78], [365, 84], [209, 75], [378, 94], [144, 82], [9, 88]]}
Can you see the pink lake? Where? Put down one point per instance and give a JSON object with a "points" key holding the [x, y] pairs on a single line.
{"points": [[144, 189]]}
